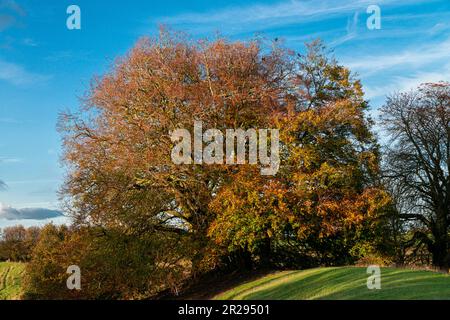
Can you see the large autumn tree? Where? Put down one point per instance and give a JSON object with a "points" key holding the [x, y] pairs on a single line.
{"points": [[119, 148], [122, 178], [418, 164]]}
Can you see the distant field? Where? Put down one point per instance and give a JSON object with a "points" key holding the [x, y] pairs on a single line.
{"points": [[10, 278], [346, 283]]}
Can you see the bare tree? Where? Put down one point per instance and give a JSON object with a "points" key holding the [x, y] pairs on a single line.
{"points": [[418, 162]]}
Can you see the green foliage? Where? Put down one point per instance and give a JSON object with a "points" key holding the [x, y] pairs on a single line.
{"points": [[113, 265]]}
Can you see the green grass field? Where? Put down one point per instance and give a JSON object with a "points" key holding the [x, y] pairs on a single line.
{"points": [[10, 278], [347, 283]]}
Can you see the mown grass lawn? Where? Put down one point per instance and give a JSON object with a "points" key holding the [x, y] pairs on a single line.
{"points": [[11, 274], [346, 283]]}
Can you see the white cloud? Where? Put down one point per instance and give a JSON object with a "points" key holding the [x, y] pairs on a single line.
{"points": [[10, 213], [33, 223]]}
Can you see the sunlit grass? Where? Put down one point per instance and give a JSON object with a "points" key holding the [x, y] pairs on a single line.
{"points": [[346, 283], [11, 274]]}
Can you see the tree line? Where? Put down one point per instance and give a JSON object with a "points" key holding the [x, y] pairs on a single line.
{"points": [[17, 243]]}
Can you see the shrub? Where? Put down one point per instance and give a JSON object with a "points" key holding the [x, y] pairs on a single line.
{"points": [[113, 265]]}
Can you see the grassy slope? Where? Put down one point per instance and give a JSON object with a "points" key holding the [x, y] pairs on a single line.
{"points": [[10, 277], [347, 283]]}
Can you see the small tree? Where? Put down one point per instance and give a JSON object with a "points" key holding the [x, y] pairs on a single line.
{"points": [[418, 163]]}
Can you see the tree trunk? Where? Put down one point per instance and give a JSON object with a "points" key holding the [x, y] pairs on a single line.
{"points": [[440, 248], [265, 252], [440, 254]]}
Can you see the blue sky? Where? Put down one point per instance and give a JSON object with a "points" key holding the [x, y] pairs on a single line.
{"points": [[45, 68]]}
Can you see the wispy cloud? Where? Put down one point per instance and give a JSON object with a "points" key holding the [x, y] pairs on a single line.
{"points": [[10, 160], [13, 6], [29, 42], [9, 13], [60, 56], [416, 56], [9, 121], [33, 181], [406, 83], [18, 75], [352, 31], [403, 70], [355, 31], [254, 17], [6, 21]]}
